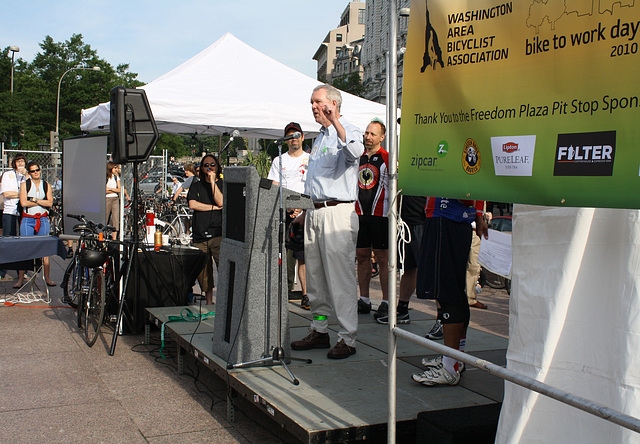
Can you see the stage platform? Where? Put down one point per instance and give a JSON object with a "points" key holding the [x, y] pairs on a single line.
{"points": [[342, 400]]}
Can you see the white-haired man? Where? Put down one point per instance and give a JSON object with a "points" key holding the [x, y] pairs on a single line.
{"points": [[331, 228]]}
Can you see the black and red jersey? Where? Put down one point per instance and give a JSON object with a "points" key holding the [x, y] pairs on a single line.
{"points": [[373, 184]]}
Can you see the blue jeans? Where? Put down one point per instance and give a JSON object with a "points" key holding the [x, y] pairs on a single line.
{"points": [[28, 226]]}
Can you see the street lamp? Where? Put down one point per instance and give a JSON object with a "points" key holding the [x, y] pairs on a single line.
{"points": [[91, 68], [13, 50]]}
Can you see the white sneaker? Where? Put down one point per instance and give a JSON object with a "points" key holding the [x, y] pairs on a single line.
{"points": [[436, 376], [437, 363]]}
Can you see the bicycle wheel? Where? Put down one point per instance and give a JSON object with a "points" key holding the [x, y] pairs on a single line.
{"points": [[167, 228], [94, 307], [81, 295], [55, 222], [179, 226], [70, 289]]}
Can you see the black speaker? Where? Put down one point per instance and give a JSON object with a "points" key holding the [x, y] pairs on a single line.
{"points": [[235, 220], [133, 130]]}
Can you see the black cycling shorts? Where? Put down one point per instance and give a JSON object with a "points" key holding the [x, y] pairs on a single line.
{"points": [[373, 232], [442, 264]]}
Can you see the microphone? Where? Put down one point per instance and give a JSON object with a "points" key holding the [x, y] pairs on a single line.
{"points": [[295, 135], [235, 133]]}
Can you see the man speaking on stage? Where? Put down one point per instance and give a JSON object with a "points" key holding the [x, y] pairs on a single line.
{"points": [[331, 228]]}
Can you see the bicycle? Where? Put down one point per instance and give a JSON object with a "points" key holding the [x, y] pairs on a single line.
{"points": [[98, 257], [180, 224], [76, 277]]}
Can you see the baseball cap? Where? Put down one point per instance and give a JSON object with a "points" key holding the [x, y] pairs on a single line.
{"points": [[292, 126]]}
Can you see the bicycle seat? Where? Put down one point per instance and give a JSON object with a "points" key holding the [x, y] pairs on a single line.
{"points": [[93, 258], [81, 227]]}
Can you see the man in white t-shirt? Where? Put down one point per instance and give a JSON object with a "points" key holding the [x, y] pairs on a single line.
{"points": [[10, 190], [294, 174]]}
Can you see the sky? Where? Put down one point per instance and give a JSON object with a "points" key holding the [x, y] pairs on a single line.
{"points": [[154, 37]]}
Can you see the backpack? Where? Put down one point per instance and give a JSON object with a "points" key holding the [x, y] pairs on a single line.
{"points": [[45, 186]]}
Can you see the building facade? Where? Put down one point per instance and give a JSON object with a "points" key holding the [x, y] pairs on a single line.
{"points": [[339, 53], [376, 46]]}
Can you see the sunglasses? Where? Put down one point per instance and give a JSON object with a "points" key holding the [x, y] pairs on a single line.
{"points": [[208, 164], [34, 171]]}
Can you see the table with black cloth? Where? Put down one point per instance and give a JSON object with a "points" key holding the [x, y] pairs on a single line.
{"points": [[18, 251], [165, 278]]}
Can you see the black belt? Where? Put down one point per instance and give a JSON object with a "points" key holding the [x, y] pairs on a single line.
{"points": [[330, 203]]}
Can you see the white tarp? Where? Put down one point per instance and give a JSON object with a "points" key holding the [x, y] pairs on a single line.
{"points": [[574, 322], [228, 86]]}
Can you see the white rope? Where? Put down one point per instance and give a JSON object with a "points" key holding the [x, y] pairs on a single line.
{"points": [[403, 236]]}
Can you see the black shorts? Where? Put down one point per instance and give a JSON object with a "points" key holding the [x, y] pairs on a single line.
{"points": [[454, 313], [412, 249], [373, 232], [442, 265]]}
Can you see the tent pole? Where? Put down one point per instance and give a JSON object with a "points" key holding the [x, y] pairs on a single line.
{"points": [[392, 130]]}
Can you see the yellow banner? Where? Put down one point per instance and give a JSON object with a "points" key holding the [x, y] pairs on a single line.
{"points": [[530, 101]]}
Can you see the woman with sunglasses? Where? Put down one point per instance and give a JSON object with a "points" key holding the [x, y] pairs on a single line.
{"points": [[113, 196], [36, 197], [205, 199]]}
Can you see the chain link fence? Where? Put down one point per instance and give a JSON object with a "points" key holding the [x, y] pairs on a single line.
{"points": [[51, 166], [50, 163]]}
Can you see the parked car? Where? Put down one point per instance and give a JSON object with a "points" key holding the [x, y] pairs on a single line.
{"points": [[501, 223], [498, 223], [150, 184]]}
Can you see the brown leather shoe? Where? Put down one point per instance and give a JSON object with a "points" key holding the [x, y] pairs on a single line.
{"points": [[479, 305], [312, 340], [341, 351]]}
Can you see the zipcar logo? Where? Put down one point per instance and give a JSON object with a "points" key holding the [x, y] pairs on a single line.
{"points": [[585, 154], [510, 147]]}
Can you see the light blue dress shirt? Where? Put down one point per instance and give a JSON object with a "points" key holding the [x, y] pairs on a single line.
{"points": [[333, 164]]}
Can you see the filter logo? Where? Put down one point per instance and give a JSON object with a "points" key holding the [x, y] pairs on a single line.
{"points": [[585, 154]]}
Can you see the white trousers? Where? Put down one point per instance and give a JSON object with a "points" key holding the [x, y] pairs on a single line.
{"points": [[330, 248], [473, 268]]}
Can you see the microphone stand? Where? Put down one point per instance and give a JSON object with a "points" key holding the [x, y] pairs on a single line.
{"points": [[235, 133], [278, 356]]}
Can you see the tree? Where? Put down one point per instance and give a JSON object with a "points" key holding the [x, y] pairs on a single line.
{"points": [[350, 83], [30, 114]]}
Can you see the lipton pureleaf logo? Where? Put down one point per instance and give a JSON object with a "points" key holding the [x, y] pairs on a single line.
{"points": [[471, 157], [510, 147]]}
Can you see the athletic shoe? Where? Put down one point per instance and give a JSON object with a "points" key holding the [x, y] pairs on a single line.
{"points": [[312, 340], [383, 310], [6, 278], [436, 331], [304, 303], [363, 307], [436, 376], [401, 318], [437, 363]]}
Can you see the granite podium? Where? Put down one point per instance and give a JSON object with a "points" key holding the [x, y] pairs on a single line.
{"points": [[246, 321]]}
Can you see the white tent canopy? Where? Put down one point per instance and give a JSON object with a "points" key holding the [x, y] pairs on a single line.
{"points": [[228, 86]]}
